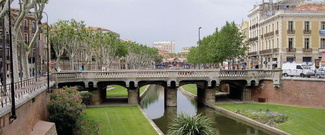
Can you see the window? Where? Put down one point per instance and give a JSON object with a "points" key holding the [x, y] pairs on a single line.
{"points": [[1, 37], [306, 25], [25, 25], [34, 26], [290, 43], [290, 25], [323, 25], [306, 43], [26, 38], [322, 43]]}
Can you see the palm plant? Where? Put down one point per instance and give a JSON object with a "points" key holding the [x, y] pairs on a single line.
{"points": [[187, 125]]}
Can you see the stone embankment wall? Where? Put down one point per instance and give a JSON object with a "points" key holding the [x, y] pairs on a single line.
{"points": [[299, 92], [28, 114]]}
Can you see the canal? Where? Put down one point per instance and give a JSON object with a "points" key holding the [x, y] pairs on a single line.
{"points": [[153, 104]]}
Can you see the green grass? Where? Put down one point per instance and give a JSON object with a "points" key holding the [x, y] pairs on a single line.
{"points": [[190, 88], [302, 121], [123, 120], [143, 88], [119, 91]]}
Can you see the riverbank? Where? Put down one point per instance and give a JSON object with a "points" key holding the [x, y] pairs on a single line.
{"points": [[235, 116], [301, 120]]}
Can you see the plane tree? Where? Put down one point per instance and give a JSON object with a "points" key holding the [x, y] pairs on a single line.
{"points": [[226, 44], [25, 7]]}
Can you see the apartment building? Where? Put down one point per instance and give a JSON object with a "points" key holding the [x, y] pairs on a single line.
{"points": [[165, 46], [286, 31]]}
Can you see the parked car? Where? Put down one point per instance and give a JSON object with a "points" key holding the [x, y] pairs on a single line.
{"points": [[320, 72], [294, 69]]}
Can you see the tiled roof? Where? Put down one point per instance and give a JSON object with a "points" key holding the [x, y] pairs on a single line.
{"points": [[308, 8]]}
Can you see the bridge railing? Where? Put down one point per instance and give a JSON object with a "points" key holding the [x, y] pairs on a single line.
{"points": [[22, 88], [169, 73]]}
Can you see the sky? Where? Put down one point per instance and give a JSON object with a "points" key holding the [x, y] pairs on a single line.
{"points": [[148, 21]]}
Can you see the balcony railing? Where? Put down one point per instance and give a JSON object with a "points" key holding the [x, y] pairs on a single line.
{"points": [[307, 49], [307, 31], [252, 53], [269, 34], [291, 49], [291, 31], [266, 51], [275, 50], [253, 39]]}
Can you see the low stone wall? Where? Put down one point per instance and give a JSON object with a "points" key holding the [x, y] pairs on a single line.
{"points": [[28, 113], [293, 92]]}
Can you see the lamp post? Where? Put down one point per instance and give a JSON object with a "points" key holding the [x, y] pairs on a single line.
{"points": [[48, 52], [199, 49]]}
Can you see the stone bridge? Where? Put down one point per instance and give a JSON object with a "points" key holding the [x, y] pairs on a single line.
{"points": [[207, 81]]}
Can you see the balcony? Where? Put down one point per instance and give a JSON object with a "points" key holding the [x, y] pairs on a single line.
{"points": [[291, 49], [252, 53], [307, 31], [275, 50], [277, 32], [307, 49], [269, 34], [266, 51], [253, 39], [291, 31]]}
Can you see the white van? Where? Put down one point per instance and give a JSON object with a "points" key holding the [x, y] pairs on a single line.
{"points": [[294, 69]]}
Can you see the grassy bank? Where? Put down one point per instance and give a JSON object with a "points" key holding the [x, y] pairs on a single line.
{"points": [[190, 88], [120, 91], [123, 120], [302, 121]]}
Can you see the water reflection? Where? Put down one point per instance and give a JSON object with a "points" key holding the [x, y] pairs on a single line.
{"points": [[153, 105]]}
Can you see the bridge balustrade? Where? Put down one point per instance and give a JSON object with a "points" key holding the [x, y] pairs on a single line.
{"points": [[22, 88]]}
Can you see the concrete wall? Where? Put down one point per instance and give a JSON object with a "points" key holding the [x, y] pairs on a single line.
{"points": [[27, 114], [302, 93]]}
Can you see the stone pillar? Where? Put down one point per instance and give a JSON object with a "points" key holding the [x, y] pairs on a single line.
{"points": [[247, 94], [133, 96], [207, 96], [96, 98], [171, 97]]}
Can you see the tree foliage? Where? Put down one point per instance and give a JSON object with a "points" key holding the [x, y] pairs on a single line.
{"points": [[104, 47], [219, 46]]}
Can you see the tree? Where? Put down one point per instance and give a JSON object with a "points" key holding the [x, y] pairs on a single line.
{"points": [[25, 7], [186, 125], [220, 46]]}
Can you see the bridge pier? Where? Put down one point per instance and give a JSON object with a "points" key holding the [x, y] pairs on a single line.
{"points": [[206, 95], [96, 100], [247, 94], [133, 96], [170, 97]]}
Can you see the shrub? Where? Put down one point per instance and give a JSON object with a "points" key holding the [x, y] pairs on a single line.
{"points": [[65, 109], [86, 97], [186, 125]]}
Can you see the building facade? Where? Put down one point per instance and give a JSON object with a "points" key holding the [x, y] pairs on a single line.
{"points": [[286, 31], [168, 46]]}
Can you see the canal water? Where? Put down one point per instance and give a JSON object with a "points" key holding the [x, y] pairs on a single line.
{"points": [[153, 104]]}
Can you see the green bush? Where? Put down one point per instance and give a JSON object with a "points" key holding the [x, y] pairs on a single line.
{"points": [[86, 97], [65, 109]]}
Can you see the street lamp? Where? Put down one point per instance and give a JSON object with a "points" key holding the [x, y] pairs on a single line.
{"points": [[48, 52], [199, 49]]}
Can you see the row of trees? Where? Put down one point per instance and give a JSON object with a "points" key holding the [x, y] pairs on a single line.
{"points": [[226, 44], [72, 38]]}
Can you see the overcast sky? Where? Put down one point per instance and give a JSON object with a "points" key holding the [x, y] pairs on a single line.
{"points": [[147, 21]]}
